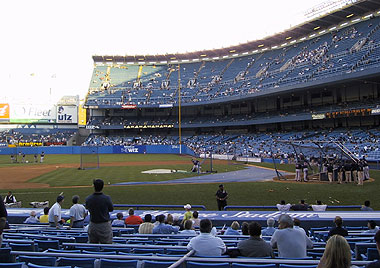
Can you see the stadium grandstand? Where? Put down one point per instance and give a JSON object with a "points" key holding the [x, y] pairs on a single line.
{"points": [[317, 81], [304, 96]]}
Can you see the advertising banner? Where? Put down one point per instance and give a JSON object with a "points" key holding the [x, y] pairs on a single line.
{"points": [[32, 113], [82, 120], [67, 114], [4, 112], [138, 149]]}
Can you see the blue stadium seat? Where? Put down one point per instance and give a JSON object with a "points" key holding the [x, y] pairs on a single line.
{"points": [[192, 264], [157, 264], [296, 266], [148, 250], [105, 263], [22, 247], [12, 265], [242, 265], [30, 265], [81, 262], [63, 250], [49, 261], [42, 245], [117, 249]]}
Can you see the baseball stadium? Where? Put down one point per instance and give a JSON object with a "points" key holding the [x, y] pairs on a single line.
{"points": [[277, 127]]}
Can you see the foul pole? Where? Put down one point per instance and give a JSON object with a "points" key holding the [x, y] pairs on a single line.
{"points": [[179, 109]]}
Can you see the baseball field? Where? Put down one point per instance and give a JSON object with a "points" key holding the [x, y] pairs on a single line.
{"points": [[60, 174]]}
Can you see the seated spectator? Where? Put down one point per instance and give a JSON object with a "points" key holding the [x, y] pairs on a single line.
{"points": [[291, 243], [169, 219], [376, 264], [366, 206], [283, 207], [297, 225], [147, 226], [301, 206], [10, 199], [133, 219], [372, 228], [118, 222], [163, 228], [188, 228], [206, 244], [196, 220], [45, 218], [338, 229], [188, 214], [269, 231], [255, 246], [319, 206], [337, 254], [233, 229], [32, 218], [244, 228]]}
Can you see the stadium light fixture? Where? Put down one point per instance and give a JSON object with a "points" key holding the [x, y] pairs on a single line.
{"points": [[173, 58], [108, 59], [255, 51], [264, 49], [130, 62], [292, 42], [303, 38], [284, 44], [260, 45], [235, 55], [141, 59], [368, 16], [224, 57], [164, 61], [174, 61], [343, 24], [203, 55], [195, 59], [206, 58], [287, 38], [312, 35], [274, 47], [316, 28], [332, 29], [215, 58], [141, 62], [322, 32], [232, 51], [245, 53], [152, 62], [355, 20], [185, 60], [349, 16]]}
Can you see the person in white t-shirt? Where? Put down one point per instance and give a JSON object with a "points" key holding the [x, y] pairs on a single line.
{"points": [[283, 206], [319, 206], [55, 219], [77, 214]]}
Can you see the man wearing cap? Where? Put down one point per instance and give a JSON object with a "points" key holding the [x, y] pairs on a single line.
{"points": [[221, 197], [55, 219], [290, 242], [99, 205]]}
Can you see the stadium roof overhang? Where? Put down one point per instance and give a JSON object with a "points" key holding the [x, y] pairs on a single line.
{"points": [[358, 9]]}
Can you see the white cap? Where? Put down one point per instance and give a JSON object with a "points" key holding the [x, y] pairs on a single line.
{"points": [[187, 206]]}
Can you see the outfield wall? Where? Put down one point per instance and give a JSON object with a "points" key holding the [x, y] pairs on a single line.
{"points": [[133, 149]]}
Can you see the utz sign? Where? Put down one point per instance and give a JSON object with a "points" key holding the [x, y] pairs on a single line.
{"points": [[4, 111], [67, 114]]}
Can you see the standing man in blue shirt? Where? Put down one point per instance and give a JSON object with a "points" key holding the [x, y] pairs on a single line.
{"points": [[99, 205]]}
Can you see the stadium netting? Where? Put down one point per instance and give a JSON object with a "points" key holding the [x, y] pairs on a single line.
{"points": [[89, 157]]}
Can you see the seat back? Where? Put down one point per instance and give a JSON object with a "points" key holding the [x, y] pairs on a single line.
{"points": [[81, 262], [192, 264], [22, 247], [105, 263], [242, 265], [48, 261], [46, 244], [297, 266], [12, 265], [157, 264], [372, 254], [5, 254]]}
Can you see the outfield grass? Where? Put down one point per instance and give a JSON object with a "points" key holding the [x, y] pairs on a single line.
{"points": [[244, 193]]}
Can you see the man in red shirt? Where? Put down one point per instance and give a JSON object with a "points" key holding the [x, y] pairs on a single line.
{"points": [[133, 219]]}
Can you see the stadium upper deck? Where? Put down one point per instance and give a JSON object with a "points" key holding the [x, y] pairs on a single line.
{"points": [[350, 49]]}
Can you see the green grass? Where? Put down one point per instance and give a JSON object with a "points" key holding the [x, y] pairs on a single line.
{"points": [[245, 193]]}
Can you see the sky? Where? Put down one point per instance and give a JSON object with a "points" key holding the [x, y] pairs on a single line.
{"points": [[47, 45]]}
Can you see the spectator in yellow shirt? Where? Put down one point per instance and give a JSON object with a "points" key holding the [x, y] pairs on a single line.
{"points": [[45, 218]]}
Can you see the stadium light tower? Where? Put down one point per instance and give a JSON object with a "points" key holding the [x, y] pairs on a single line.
{"points": [[179, 109]]}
